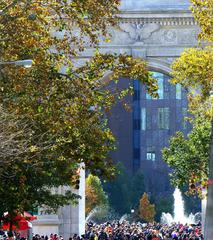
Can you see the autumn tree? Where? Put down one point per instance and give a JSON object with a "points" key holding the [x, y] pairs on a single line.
{"points": [[95, 195], [146, 209], [14, 139], [203, 13], [194, 71], [63, 103]]}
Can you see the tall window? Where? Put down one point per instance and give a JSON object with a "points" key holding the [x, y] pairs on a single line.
{"points": [[178, 91], [160, 80], [150, 154], [163, 118], [143, 118], [136, 95], [148, 118], [160, 87]]}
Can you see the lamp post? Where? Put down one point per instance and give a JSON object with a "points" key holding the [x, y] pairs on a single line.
{"points": [[27, 63], [132, 214], [208, 228]]}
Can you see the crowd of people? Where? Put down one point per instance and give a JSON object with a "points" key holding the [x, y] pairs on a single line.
{"points": [[134, 231], [137, 231], [130, 231]]}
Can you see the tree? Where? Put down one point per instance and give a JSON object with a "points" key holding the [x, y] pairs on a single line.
{"points": [[95, 195], [163, 204], [203, 13], [66, 108], [188, 157], [125, 192], [194, 71], [146, 210], [14, 139]]}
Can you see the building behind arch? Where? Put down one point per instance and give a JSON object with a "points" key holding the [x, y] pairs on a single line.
{"points": [[157, 31]]}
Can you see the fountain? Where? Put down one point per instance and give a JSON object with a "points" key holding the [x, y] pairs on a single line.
{"points": [[91, 214], [123, 218], [179, 215]]}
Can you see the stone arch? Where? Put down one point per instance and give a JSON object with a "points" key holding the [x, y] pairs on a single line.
{"points": [[159, 66]]}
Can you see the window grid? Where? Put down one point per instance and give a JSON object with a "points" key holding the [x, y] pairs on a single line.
{"points": [[178, 91], [163, 118], [143, 118]]}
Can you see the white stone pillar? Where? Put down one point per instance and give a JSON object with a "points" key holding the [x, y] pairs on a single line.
{"points": [[72, 218], [69, 220], [203, 209]]}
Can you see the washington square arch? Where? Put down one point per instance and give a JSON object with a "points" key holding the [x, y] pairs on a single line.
{"points": [[157, 31]]}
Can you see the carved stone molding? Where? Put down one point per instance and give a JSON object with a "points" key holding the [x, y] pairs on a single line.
{"points": [[138, 32], [170, 35], [169, 21]]}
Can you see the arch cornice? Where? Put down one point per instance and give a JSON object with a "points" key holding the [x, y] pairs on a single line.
{"points": [[165, 18], [159, 65]]}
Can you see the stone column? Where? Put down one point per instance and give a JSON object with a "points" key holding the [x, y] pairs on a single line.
{"points": [[69, 220], [72, 218], [203, 209]]}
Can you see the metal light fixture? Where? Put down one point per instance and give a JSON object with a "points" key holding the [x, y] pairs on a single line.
{"points": [[26, 63]]}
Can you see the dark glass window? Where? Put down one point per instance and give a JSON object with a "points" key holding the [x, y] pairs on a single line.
{"points": [[148, 119], [136, 95], [136, 153], [163, 118], [136, 165], [136, 124], [136, 140], [136, 112], [150, 154]]}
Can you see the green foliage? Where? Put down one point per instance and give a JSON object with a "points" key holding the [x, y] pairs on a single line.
{"points": [[188, 157], [192, 204], [163, 204], [95, 195], [193, 70], [125, 191], [65, 109]]}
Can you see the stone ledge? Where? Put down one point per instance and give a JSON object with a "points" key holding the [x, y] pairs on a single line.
{"points": [[46, 220]]}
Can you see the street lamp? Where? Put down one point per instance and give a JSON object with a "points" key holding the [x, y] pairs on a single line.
{"points": [[27, 63], [208, 228], [132, 215]]}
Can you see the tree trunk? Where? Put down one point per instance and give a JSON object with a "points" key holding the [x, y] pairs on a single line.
{"points": [[208, 228]]}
